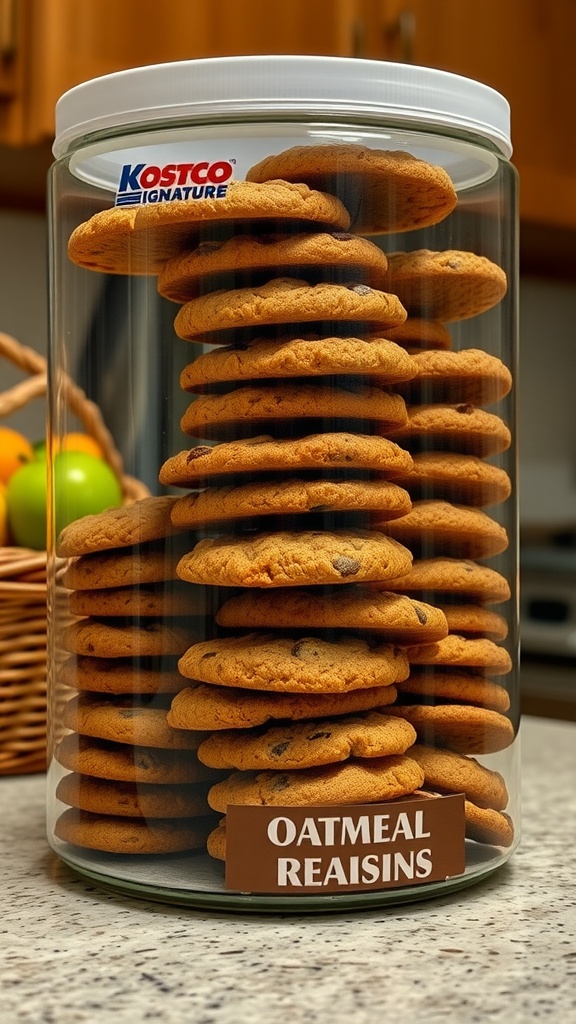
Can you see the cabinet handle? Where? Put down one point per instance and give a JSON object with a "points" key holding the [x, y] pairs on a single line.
{"points": [[400, 36], [7, 29]]}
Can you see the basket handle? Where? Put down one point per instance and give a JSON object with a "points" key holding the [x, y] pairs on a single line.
{"points": [[85, 410]]}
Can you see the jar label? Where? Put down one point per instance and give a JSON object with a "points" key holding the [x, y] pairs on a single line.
{"points": [[143, 183], [295, 850]]}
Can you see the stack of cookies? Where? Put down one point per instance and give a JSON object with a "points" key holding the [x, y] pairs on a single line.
{"points": [[135, 785], [338, 478]]}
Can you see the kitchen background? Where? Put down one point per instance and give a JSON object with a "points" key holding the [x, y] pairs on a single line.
{"points": [[523, 48]]}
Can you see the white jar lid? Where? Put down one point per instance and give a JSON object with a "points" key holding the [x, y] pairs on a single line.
{"points": [[280, 86]]}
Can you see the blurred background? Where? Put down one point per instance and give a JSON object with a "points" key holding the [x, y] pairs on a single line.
{"points": [[523, 48]]}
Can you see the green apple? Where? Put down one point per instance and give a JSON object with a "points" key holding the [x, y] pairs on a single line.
{"points": [[82, 485]]}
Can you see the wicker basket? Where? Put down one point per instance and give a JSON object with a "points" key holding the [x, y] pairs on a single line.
{"points": [[23, 639]]}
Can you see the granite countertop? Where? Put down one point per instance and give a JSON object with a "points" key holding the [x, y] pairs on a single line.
{"points": [[501, 951]]}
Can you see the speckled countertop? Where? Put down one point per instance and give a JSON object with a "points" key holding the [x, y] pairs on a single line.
{"points": [[504, 950]]}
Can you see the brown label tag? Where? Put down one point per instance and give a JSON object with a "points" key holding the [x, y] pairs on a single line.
{"points": [[296, 850]]}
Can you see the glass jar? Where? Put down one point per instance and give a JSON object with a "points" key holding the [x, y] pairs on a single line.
{"points": [[283, 656]]}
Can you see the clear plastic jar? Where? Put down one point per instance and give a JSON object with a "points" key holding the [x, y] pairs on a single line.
{"points": [[288, 677]]}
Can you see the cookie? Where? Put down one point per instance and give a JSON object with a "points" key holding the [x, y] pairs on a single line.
{"points": [[308, 744], [452, 687], [216, 841], [462, 428], [450, 476], [132, 836], [291, 408], [436, 527], [303, 558], [470, 375], [140, 602], [265, 454], [393, 617], [145, 520], [127, 763], [446, 286], [462, 728], [123, 720], [448, 772], [384, 190], [290, 497], [148, 563], [151, 638], [375, 359], [459, 577], [253, 259], [459, 651], [485, 825], [369, 781], [120, 675], [294, 665], [130, 799], [417, 334], [210, 708], [140, 240], [473, 620], [287, 300]]}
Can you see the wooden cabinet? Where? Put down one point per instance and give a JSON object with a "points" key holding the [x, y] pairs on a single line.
{"points": [[64, 42], [523, 48]]}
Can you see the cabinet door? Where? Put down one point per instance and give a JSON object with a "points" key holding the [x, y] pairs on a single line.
{"points": [[72, 41], [522, 48]]}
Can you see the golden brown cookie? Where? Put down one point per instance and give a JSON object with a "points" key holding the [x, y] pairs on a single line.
{"points": [[303, 558], [296, 745], [454, 576], [384, 190], [461, 428], [485, 825], [436, 527], [446, 286], [369, 781], [462, 728], [294, 665], [374, 359], [132, 836], [448, 772], [122, 567], [320, 452], [120, 675], [290, 497], [462, 652], [216, 841], [450, 476], [125, 720], [470, 375], [473, 620], [210, 708], [454, 687], [141, 602], [145, 520], [140, 240], [417, 334], [322, 256], [127, 763], [287, 300], [131, 799], [151, 638], [247, 410], [393, 617]]}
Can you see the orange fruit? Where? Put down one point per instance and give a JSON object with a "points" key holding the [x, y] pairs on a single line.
{"points": [[4, 532], [77, 442], [15, 450]]}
